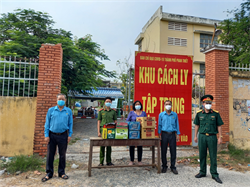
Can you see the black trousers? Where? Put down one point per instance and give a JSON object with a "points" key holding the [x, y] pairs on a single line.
{"points": [[168, 139], [62, 142], [132, 153]]}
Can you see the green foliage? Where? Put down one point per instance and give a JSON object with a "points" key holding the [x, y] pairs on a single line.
{"points": [[236, 31], [24, 163], [23, 32]]}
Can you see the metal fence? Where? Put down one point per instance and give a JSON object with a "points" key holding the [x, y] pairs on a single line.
{"points": [[18, 77], [198, 90], [239, 67]]}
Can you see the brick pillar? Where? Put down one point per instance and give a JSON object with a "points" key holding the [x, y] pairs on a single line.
{"points": [[49, 85], [216, 82]]}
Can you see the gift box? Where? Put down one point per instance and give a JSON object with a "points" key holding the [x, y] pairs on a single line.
{"points": [[121, 133], [134, 126], [134, 134]]}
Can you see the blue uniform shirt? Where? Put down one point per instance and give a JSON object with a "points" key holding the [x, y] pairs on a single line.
{"points": [[168, 123], [59, 121]]}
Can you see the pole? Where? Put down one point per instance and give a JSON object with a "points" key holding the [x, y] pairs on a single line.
{"points": [[129, 89]]}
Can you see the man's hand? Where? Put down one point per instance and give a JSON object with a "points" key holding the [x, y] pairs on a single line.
{"points": [[47, 139], [99, 134], [159, 136], [195, 139], [69, 138], [177, 138], [219, 140]]}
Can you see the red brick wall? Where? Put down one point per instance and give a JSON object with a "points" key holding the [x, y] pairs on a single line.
{"points": [[49, 85], [216, 84]]}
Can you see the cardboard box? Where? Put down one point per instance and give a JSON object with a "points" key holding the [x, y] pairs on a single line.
{"points": [[148, 133], [134, 134], [104, 133], [121, 133], [134, 126], [111, 134], [123, 125], [146, 122]]}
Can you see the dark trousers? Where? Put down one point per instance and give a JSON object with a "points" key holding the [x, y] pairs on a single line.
{"points": [[132, 153], [209, 142], [168, 139], [62, 142]]}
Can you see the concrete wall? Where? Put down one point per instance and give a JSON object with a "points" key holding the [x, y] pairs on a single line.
{"points": [[239, 89], [151, 40], [17, 123]]}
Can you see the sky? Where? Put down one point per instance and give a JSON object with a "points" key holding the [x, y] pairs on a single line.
{"points": [[115, 24]]}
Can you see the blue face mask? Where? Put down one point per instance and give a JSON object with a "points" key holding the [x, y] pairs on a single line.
{"points": [[61, 102], [138, 107], [108, 104]]}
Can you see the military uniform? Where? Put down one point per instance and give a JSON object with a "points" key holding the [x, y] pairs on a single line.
{"points": [[208, 128], [106, 116]]}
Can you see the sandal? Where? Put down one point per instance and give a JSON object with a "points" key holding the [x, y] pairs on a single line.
{"points": [[100, 165], [64, 176], [44, 179]]}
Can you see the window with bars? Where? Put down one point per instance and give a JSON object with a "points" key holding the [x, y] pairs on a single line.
{"points": [[177, 41], [205, 40], [202, 70], [177, 26]]}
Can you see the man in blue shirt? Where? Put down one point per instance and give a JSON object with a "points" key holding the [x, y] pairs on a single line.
{"points": [[58, 131], [168, 129]]}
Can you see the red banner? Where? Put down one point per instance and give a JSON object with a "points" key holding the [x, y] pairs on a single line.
{"points": [[161, 77]]}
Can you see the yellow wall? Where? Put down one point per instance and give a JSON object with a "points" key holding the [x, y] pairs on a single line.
{"points": [[239, 125], [151, 40], [171, 49], [17, 123]]}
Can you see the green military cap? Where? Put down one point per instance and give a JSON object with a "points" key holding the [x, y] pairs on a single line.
{"points": [[207, 98]]}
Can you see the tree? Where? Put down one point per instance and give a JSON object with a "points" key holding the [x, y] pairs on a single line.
{"points": [[123, 76], [236, 32], [23, 32]]}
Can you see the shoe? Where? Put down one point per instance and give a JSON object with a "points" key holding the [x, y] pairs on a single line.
{"points": [[164, 170], [110, 164], [174, 171], [217, 179], [199, 175]]}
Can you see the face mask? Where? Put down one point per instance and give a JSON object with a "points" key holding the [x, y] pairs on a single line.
{"points": [[108, 104], [138, 107], [61, 102], [208, 106], [168, 107]]}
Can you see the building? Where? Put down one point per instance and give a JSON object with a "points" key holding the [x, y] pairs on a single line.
{"points": [[177, 34]]}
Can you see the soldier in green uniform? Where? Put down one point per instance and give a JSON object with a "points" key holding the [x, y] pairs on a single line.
{"points": [[208, 123], [105, 115]]}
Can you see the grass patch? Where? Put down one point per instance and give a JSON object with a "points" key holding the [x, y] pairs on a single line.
{"points": [[239, 154], [72, 141], [24, 163]]}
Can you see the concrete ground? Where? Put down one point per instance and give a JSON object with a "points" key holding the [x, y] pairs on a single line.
{"points": [[142, 176]]}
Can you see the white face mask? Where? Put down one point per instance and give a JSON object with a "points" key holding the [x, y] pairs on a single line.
{"points": [[168, 107], [208, 106]]}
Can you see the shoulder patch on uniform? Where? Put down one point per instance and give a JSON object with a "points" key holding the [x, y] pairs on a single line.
{"points": [[101, 109], [199, 111], [216, 111]]}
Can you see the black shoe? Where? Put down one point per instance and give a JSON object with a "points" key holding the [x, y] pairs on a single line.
{"points": [[199, 175], [217, 179], [110, 164], [174, 171], [164, 170]]}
